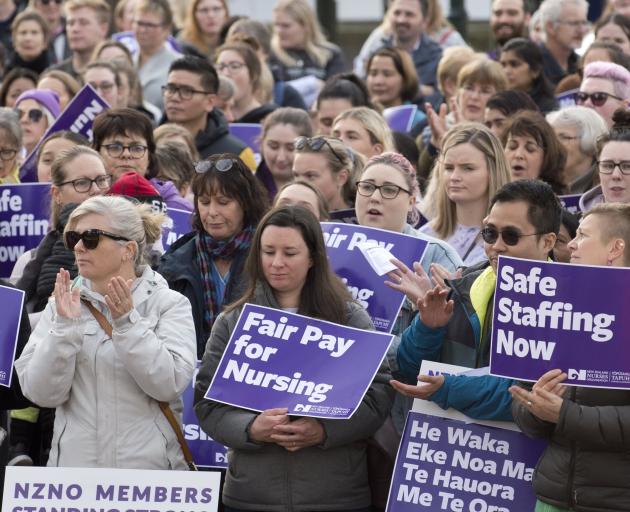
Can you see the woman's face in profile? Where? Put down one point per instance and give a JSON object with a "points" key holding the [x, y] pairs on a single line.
{"points": [[285, 259], [297, 194]]}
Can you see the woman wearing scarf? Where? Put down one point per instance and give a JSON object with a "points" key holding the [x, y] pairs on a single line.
{"points": [[206, 265]]}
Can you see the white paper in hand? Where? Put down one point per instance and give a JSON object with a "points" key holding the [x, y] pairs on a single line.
{"points": [[378, 257]]}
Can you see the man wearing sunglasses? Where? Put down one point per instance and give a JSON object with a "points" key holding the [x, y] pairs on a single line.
{"points": [[454, 326], [605, 87]]}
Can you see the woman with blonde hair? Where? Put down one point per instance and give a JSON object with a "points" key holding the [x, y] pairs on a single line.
{"points": [[176, 133], [470, 170], [299, 46], [364, 130], [64, 84], [329, 165], [202, 25]]}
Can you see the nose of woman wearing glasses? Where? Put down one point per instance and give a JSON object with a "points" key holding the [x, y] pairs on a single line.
{"points": [[125, 154]]}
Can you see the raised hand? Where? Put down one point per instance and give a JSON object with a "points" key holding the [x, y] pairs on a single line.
{"points": [[437, 122], [435, 310], [439, 274], [118, 296], [414, 284], [430, 384], [67, 302]]}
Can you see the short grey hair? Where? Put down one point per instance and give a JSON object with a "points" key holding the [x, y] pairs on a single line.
{"points": [[551, 10], [10, 123], [590, 125], [137, 222]]}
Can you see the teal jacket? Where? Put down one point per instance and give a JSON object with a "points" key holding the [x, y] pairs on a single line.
{"points": [[461, 343]]}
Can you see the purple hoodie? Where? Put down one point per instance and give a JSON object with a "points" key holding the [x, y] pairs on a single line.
{"points": [[171, 196]]}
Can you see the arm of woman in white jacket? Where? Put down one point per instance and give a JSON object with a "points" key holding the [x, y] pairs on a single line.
{"points": [[158, 351], [46, 366]]}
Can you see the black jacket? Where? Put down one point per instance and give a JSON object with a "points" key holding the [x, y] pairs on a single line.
{"points": [[258, 114], [586, 465], [216, 137], [180, 269]]}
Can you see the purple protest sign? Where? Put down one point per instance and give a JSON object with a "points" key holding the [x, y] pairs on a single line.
{"points": [[280, 359], [178, 224], [206, 452], [12, 301], [249, 133], [347, 216], [571, 202], [342, 246], [24, 220], [77, 117], [400, 119], [445, 464], [543, 320]]}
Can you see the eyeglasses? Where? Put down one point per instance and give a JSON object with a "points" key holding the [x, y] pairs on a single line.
{"points": [[576, 23], [597, 98], [90, 238], [147, 25], [183, 91], [316, 144], [367, 188], [608, 166], [566, 138], [205, 11], [221, 165], [46, 2], [510, 236], [7, 154], [83, 185], [35, 114], [232, 66], [116, 149]]}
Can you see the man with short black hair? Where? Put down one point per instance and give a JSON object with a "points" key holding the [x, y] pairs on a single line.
{"points": [[189, 100], [523, 222]]}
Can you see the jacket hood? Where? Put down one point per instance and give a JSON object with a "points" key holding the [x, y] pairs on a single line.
{"points": [[590, 198], [216, 127]]}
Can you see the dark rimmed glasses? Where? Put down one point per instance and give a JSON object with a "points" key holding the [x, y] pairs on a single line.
{"points": [[221, 165], [388, 191], [316, 144], [598, 99], [90, 238], [185, 92], [510, 236], [7, 154], [608, 166], [83, 185], [116, 149]]}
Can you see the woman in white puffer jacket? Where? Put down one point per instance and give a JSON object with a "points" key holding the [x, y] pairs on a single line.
{"points": [[106, 389]]}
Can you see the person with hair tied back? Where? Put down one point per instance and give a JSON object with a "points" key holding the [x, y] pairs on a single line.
{"points": [[613, 165], [585, 465], [278, 462], [148, 357], [364, 130]]}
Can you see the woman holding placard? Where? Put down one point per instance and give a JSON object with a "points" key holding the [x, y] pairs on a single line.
{"points": [[471, 168], [110, 345], [277, 462], [586, 464]]}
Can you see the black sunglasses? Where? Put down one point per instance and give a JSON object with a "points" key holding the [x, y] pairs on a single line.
{"points": [[597, 98], [46, 2], [221, 165], [510, 236], [35, 114], [316, 144], [90, 238]]}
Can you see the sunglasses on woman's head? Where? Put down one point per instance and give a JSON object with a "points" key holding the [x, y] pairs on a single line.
{"points": [[90, 238], [597, 98], [315, 144], [510, 236], [221, 165], [35, 114]]}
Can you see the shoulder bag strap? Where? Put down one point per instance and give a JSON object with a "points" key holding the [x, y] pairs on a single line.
{"points": [[164, 406]]}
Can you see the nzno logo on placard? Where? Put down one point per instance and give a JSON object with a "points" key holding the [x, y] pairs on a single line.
{"points": [[302, 408], [573, 374]]}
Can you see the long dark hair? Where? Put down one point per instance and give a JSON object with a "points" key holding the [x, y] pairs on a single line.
{"points": [[323, 295], [530, 52]]}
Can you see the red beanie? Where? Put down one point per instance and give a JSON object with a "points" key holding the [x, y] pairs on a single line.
{"points": [[134, 186]]}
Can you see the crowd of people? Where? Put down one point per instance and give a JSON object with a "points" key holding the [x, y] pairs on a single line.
{"points": [[114, 322]]}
